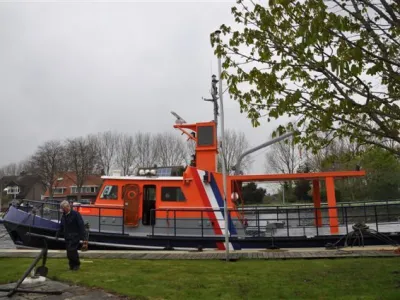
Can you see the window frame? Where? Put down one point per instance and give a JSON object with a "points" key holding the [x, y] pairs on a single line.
{"points": [[101, 196], [173, 200]]}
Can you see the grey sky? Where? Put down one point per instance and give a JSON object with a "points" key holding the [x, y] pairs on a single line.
{"points": [[69, 69]]}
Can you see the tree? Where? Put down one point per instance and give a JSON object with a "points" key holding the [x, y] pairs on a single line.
{"points": [[235, 144], [107, 143], [126, 153], [302, 187], [383, 172], [190, 150], [253, 194], [334, 64], [82, 157], [48, 161], [145, 150], [170, 150], [283, 157], [10, 169]]}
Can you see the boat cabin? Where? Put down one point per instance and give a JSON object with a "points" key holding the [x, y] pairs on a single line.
{"points": [[190, 194]]}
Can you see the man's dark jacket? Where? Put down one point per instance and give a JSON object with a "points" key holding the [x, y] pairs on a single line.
{"points": [[72, 226]]}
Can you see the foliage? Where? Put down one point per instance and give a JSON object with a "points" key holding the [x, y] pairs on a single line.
{"points": [[383, 174], [332, 64], [361, 278], [252, 194], [302, 187]]}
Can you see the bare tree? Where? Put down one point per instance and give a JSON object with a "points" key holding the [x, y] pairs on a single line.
{"points": [[82, 157], [170, 150], [235, 144], [14, 169], [126, 153], [107, 143], [283, 157], [10, 169], [48, 161], [190, 150], [145, 150]]}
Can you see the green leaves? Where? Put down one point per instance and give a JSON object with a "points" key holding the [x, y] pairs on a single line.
{"points": [[314, 61]]}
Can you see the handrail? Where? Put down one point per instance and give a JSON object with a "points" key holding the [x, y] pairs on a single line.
{"points": [[303, 219], [55, 214], [299, 218]]}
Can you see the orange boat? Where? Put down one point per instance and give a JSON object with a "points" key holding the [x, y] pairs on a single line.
{"points": [[175, 207]]}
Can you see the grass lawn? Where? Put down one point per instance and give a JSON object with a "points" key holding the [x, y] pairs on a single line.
{"points": [[361, 278]]}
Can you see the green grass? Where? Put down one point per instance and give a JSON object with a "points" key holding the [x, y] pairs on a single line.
{"points": [[362, 278]]}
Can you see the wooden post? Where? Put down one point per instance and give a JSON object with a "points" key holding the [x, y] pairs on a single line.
{"points": [[332, 211], [317, 203]]}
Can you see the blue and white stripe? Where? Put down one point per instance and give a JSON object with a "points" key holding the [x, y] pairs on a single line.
{"points": [[215, 199]]}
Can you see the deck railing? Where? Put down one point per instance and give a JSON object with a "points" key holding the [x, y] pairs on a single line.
{"points": [[50, 210], [261, 222], [275, 221]]}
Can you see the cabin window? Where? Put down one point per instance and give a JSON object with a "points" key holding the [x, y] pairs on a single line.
{"points": [[174, 194], [110, 192], [205, 136]]}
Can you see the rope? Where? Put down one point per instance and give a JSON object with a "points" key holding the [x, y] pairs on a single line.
{"points": [[358, 233]]}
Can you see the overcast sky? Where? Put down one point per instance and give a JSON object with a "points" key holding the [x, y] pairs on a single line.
{"points": [[69, 69]]}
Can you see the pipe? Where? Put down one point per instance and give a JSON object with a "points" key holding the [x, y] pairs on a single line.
{"points": [[266, 144]]}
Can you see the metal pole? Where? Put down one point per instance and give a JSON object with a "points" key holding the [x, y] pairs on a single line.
{"points": [[215, 102], [266, 144], [222, 142]]}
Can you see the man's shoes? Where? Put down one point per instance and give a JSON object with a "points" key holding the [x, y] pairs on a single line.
{"points": [[76, 268]]}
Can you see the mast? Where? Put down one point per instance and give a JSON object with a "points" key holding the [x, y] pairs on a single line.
{"points": [[222, 146], [214, 95]]}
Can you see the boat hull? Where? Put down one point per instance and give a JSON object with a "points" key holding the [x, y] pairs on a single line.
{"points": [[29, 230], [32, 236]]}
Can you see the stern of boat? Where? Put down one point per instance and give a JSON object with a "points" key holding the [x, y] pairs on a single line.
{"points": [[20, 224]]}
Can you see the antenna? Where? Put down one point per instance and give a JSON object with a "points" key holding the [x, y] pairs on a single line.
{"points": [[179, 120], [214, 95]]}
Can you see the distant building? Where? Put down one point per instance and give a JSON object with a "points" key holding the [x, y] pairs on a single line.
{"points": [[23, 186], [65, 187]]}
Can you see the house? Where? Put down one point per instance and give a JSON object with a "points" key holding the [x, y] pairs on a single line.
{"points": [[65, 187], [23, 186]]}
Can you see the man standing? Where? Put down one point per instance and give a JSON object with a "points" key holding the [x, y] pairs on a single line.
{"points": [[74, 230]]}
